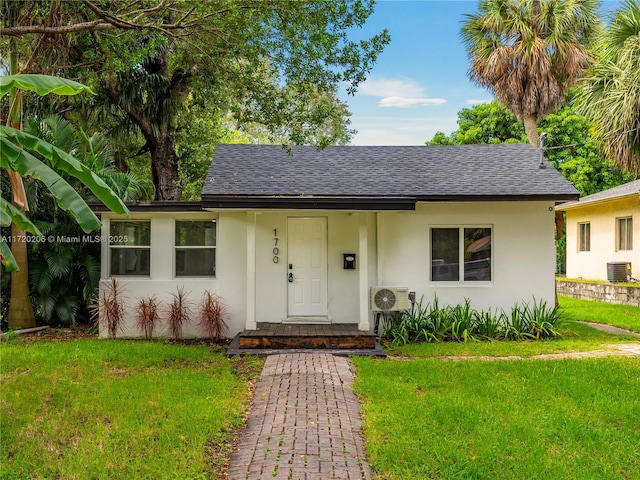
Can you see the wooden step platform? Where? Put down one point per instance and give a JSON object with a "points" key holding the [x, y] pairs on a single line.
{"points": [[333, 338]]}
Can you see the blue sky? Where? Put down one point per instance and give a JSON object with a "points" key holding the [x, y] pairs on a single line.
{"points": [[419, 83]]}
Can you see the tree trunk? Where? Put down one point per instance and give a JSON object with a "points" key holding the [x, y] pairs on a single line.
{"points": [[531, 127], [164, 166], [559, 224], [159, 133], [21, 314]]}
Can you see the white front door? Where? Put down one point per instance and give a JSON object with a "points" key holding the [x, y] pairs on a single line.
{"points": [[307, 266]]}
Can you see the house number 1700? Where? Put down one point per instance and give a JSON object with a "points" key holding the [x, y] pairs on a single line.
{"points": [[276, 250]]}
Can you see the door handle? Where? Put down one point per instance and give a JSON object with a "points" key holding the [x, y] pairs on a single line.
{"points": [[291, 278]]}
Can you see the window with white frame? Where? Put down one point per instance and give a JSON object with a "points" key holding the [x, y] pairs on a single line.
{"points": [[130, 247], [584, 237], [461, 254], [624, 233], [195, 248]]}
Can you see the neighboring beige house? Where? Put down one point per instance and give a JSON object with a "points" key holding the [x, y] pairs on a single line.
{"points": [[305, 235], [603, 228]]}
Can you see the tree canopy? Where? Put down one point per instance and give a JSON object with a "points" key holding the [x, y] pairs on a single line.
{"points": [[572, 146], [610, 95], [278, 64], [529, 52]]}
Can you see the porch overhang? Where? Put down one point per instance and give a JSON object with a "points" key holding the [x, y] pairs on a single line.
{"points": [[307, 202], [152, 206]]}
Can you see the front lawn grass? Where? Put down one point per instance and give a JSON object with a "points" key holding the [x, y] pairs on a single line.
{"points": [[575, 337], [119, 409], [525, 419], [622, 316]]}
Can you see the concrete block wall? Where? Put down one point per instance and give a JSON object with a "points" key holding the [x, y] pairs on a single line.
{"points": [[600, 292]]}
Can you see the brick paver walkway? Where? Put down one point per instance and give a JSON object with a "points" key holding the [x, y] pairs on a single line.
{"points": [[304, 422]]}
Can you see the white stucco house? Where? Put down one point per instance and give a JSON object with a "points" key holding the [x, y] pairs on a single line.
{"points": [[303, 235], [602, 229]]}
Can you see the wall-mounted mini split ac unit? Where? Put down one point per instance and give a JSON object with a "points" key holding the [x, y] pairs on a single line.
{"points": [[390, 299]]}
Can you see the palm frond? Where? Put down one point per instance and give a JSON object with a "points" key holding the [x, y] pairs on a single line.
{"points": [[59, 262], [529, 53], [610, 94]]}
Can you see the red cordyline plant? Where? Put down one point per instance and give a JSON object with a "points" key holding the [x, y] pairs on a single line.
{"points": [[107, 311], [179, 312], [211, 320], [147, 315]]}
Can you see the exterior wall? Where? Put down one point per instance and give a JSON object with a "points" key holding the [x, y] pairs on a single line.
{"points": [[600, 292], [398, 254], [162, 281], [523, 252], [231, 267], [602, 216]]}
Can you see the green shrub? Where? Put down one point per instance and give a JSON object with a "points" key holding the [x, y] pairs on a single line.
{"points": [[542, 321], [489, 326], [461, 323]]}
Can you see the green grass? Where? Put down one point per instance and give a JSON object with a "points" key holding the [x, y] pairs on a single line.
{"points": [[623, 316], [575, 336], [426, 418], [554, 419], [96, 409]]}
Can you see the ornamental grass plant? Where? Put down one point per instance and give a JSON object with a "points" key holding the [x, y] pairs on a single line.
{"points": [[108, 309], [432, 322], [147, 315]]}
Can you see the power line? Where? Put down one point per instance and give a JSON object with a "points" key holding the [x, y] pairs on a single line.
{"points": [[603, 139]]}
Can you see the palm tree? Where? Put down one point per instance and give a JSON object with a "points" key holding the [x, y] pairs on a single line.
{"points": [[529, 52], [610, 95]]}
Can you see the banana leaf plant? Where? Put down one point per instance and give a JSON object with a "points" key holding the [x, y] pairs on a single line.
{"points": [[18, 152]]}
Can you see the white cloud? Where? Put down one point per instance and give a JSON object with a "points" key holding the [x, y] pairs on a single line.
{"points": [[474, 101], [399, 93], [386, 87], [379, 130], [404, 102]]}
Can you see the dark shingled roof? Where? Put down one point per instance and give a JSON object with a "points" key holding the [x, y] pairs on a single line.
{"points": [[631, 189], [270, 174]]}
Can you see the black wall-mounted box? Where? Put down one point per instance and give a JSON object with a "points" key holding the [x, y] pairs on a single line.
{"points": [[349, 261]]}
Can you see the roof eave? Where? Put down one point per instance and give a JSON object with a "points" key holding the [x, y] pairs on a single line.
{"points": [[307, 202], [217, 202], [589, 203], [155, 206], [500, 198]]}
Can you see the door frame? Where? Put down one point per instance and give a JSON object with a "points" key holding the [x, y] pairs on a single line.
{"points": [[321, 314]]}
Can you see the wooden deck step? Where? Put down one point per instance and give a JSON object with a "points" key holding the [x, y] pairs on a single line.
{"points": [[306, 336]]}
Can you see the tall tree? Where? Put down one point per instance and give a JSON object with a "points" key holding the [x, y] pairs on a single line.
{"points": [[529, 52], [262, 60], [21, 312], [20, 152], [610, 95]]}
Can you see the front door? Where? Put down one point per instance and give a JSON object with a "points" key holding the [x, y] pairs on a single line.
{"points": [[307, 266]]}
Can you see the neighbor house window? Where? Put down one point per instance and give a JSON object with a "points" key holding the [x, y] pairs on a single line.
{"points": [[625, 233], [195, 248], [461, 254], [130, 247], [584, 237]]}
